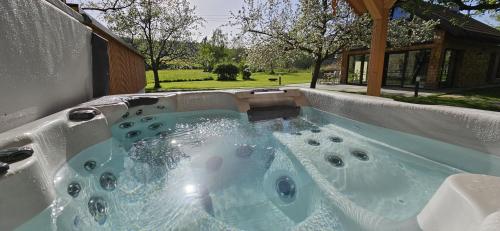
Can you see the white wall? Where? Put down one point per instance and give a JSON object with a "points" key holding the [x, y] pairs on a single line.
{"points": [[45, 61]]}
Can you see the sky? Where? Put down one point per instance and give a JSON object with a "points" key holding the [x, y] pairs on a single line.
{"points": [[217, 12]]}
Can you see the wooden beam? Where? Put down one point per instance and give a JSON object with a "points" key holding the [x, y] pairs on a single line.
{"points": [[389, 3], [377, 53], [375, 8], [358, 6], [362, 6], [379, 11]]}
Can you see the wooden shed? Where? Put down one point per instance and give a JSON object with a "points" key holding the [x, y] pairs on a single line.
{"points": [[126, 64], [118, 68]]}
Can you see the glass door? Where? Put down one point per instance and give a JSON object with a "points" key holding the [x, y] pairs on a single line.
{"points": [[358, 68], [417, 65], [364, 76], [395, 69]]}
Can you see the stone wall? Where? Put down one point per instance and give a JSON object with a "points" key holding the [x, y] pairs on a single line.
{"points": [[474, 62], [436, 60], [473, 69]]}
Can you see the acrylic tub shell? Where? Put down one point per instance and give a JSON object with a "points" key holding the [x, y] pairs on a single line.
{"points": [[28, 188]]}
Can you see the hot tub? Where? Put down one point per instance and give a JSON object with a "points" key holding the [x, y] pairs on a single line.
{"points": [[283, 159]]}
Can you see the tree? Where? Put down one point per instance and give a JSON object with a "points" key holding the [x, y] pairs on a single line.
{"points": [[218, 42], [107, 5], [268, 56], [213, 51], [311, 28], [474, 5], [308, 27], [204, 56], [159, 29]]}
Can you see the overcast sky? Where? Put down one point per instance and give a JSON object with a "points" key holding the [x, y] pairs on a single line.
{"points": [[217, 12]]}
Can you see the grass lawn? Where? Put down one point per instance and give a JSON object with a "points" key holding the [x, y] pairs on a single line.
{"points": [[260, 79], [485, 99]]}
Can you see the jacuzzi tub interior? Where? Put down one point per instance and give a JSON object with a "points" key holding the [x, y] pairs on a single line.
{"points": [[163, 167]]}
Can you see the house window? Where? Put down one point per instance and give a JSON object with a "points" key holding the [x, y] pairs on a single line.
{"points": [[395, 69], [416, 67], [364, 77], [399, 13], [404, 68], [358, 69]]}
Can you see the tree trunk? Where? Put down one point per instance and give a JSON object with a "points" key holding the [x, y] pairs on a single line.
{"points": [[315, 73], [157, 77]]}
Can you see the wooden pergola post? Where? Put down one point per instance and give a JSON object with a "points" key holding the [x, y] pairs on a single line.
{"points": [[379, 11]]}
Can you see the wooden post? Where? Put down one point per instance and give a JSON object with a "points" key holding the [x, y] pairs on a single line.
{"points": [[379, 11], [344, 71], [435, 60], [377, 54]]}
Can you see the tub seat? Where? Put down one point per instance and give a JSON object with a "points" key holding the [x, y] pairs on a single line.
{"points": [[463, 202]]}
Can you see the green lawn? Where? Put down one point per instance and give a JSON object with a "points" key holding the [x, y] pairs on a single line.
{"points": [[260, 79], [485, 99]]}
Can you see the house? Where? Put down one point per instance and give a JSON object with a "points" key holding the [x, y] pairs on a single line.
{"points": [[463, 53]]}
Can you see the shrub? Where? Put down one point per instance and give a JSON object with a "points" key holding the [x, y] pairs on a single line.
{"points": [[246, 73], [226, 72]]}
